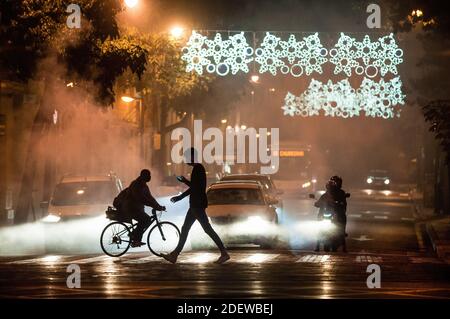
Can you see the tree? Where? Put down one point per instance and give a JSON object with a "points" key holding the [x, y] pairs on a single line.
{"points": [[33, 31], [431, 15], [438, 114], [167, 85]]}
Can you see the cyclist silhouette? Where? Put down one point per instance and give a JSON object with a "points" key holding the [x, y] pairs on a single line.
{"points": [[138, 197]]}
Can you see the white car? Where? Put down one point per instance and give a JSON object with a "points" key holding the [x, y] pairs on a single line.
{"points": [[243, 212], [81, 196]]}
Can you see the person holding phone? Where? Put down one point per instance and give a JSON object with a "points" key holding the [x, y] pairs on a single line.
{"points": [[198, 203]]}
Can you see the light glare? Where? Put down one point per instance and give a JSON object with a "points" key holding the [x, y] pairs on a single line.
{"points": [[131, 3]]}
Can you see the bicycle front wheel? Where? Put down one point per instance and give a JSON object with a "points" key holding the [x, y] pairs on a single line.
{"points": [[163, 238], [115, 239]]}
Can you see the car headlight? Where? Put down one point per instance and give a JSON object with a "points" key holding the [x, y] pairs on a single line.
{"points": [[306, 185], [257, 219], [51, 218], [369, 180], [387, 181]]}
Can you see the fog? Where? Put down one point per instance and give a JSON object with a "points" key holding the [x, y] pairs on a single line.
{"points": [[87, 138]]}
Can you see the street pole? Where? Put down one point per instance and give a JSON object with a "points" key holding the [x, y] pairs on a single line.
{"points": [[141, 129]]}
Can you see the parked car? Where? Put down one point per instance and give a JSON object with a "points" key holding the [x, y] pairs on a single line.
{"points": [[265, 180], [242, 212], [81, 196]]}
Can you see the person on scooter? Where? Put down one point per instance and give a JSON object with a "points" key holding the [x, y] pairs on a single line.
{"points": [[333, 199], [341, 196]]}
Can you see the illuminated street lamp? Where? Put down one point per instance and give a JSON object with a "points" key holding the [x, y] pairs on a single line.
{"points": [[224, 121], [176, 32], [131, 3], [129, 99], [254, 78]]}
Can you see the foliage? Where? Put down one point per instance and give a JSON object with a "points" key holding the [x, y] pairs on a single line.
{"points": [[438, 114], [96, 53], [431, 15]]}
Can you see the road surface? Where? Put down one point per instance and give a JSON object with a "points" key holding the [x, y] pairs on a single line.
{"points": [[381, 231]]}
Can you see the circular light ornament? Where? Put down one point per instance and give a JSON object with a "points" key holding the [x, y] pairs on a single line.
{"points": [[284, 69], [296, 70], [211, 68], [222, 69], [359, 70], [373, 73]]}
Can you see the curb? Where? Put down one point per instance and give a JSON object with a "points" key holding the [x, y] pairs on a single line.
{"points": [[441, 247]]}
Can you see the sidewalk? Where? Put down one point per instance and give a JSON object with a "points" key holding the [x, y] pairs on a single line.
{"points": [[437, 227]]}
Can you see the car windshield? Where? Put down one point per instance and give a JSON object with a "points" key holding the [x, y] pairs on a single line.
{"points": [[235, 196], [262, 179], [84, 193], [378, 173]]}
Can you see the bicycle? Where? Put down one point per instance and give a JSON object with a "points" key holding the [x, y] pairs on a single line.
{"points": [[115, 238]]}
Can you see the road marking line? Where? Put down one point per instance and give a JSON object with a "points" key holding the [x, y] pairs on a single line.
{"points": [[380, 217], [89, 260], [404, 194], [46, 259], [424, 260], [407, 219], [368, 259], [142, 260], [259, 258], [200, 258], [314, 259], [354, 215]]}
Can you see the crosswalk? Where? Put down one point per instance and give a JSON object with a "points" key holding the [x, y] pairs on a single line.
{"points": [[236, 257]]}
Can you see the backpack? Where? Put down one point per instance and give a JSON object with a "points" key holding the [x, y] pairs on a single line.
{"points": [[120, 199]]}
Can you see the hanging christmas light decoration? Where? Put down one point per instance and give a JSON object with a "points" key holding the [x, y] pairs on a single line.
{"points": [[366, 57], [217, 55], [294, 57], [375, 99]]}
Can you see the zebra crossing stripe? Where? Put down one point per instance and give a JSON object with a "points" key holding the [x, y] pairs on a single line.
{"points": [[142, 260], [90, 260], [368, 259], [46, 259], [259, 258], [314, 259]]}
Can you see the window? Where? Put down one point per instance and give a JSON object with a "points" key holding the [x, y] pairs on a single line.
{"points": [[84, 193]]}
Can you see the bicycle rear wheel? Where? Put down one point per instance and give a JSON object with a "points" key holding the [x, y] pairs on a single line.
{"points": [[163, 239], [115, 239]]}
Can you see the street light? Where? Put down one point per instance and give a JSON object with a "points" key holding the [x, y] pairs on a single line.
{"points": [[224, 121], [254, 78], [129, 99], [176, 32], [131, 3]]}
